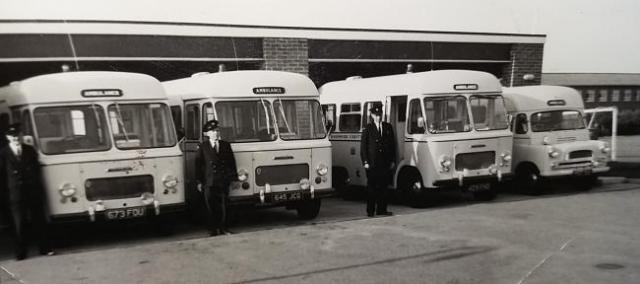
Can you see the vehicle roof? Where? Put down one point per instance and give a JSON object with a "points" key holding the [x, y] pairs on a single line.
{"points": [[240, 84], [530, 98], [68, 87], [431, 82]]}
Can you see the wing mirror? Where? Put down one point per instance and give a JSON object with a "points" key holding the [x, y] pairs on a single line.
{"points": [[28, 139]]}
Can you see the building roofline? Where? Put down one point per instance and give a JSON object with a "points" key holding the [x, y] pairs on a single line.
{"points": [[17, 26], [261, 27]]}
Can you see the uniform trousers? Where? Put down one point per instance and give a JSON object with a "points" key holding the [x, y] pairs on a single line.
{"points": [[17, 217], [377, 189], [216, 199]]}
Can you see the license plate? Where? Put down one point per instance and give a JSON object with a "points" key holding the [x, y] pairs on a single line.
{"points": [[125, 213], [279, 197], [479, 187], [582, 172]]}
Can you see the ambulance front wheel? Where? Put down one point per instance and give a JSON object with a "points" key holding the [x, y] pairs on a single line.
{"points": [[410, 185], [528, 179], [308, 209]]}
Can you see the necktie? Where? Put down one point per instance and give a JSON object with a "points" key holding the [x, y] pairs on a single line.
{"points": [[216, 147], [18, 151]]}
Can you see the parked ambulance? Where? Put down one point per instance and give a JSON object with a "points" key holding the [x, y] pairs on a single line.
{"points": [[551, 139], [451, 130]]}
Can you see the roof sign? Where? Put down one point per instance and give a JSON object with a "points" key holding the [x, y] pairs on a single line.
{"points": [[556, 103], [268, 90], [102, 93], [465, 87]]}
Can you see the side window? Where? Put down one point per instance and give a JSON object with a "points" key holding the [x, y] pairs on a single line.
{"points": [[4, 121], [329, 113], [207, 113], [402, 112], [192, 122], [416, 119], [176, 114], [366, 114], [25, 123], [15, 114], [521, 124], [350, 117]]}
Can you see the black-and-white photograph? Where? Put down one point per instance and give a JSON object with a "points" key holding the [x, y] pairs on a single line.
{"points": [[283, 141]]}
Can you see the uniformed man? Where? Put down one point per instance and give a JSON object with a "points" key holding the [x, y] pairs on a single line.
{"points": [[215, 170], [21, 185], [377, 151]]}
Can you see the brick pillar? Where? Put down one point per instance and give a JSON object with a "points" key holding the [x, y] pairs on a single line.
{"points": [[526, 58], [286, 54]]}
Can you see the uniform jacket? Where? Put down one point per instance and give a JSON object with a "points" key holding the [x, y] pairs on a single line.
{"points": [[20, 179], [377, 150], [215, 169]]}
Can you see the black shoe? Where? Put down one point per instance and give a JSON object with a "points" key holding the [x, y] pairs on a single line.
{"points": [[385, 213], [214, 233], [49, 252], [369, 214]]}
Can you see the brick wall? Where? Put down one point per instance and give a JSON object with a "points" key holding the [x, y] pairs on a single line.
{"points": [[286, 54], [528, 60]]}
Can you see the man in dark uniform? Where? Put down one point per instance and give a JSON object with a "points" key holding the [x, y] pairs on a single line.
{"points": [[378, 154], [215, 170], [23, 193]]}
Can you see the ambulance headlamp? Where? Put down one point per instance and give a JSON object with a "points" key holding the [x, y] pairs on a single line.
{"points": [[546, 140], [68, 190], [304, 184], [243, 175], [322, 170], [605, 149], [553, 152], [506, 156], [170, 181], [445, 162], [147, 198]]}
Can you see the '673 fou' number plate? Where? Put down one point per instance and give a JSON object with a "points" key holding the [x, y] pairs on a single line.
{"points": [[125, 213]]}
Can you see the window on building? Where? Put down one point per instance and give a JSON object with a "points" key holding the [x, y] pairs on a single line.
{"points": [[603, 96], [615, 96], [590, 96], [628, 95]]}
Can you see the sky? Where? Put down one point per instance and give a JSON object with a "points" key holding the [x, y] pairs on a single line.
{"points": [[583, 36]]}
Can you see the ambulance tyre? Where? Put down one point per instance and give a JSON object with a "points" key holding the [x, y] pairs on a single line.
{"points": [[486, 195], [308, 209], [587, 182], [528, 179], [339, 181], [410, 187]]}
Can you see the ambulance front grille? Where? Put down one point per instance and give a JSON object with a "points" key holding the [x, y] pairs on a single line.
{"points": [[281, 174], [580, 154], [118, 187], [474, 161]]}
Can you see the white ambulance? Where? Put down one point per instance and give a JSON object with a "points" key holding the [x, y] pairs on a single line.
{"points": [[550, 137], [105, 140], [273, 121], [451, 130]]}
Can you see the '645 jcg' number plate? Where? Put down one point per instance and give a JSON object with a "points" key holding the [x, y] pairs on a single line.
{"points": [[278, 197]]}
